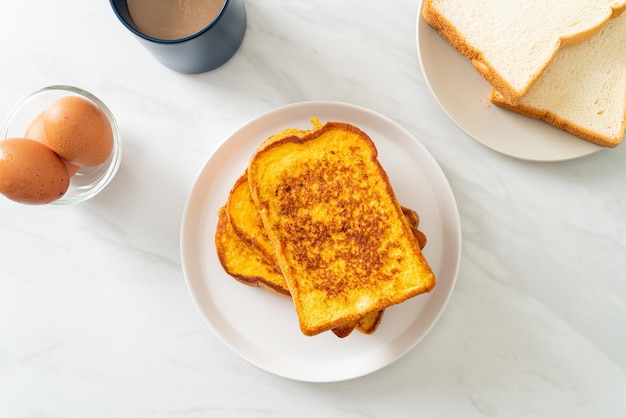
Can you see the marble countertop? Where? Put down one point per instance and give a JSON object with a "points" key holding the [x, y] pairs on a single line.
{"points": [[95, 316]]}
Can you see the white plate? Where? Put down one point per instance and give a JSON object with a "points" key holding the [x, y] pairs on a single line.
{"points": [[262, 327], [464, 95]]}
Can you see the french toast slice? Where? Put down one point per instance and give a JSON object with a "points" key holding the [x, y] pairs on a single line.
{"points": [[414, 221], [246, 221], [247, 224], [242, 262], [336, 227], [242, 241], [366, 325]]}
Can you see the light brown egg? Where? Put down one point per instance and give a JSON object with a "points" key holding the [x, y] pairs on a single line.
{"points": [[78, 131], [30, 172], [35, 131]]}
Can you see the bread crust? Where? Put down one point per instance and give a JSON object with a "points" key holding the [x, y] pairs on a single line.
{"points": [[559, 123], [246, 221], [583, 90], [239, 250], [324, 300], [242, 262], [495, 78]]}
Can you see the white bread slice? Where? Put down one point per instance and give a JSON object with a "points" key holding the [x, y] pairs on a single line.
{"points": [[583, 90], [511, 42]]}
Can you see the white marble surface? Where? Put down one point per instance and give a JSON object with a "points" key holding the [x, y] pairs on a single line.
{"points": [[95, 316]]}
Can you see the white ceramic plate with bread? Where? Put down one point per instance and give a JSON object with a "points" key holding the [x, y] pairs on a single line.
{"points": [[464, 95], [262, 327]]}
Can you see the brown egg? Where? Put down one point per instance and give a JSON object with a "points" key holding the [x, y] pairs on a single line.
{"points": [[30, 172], [35, 131], [78, 131]]}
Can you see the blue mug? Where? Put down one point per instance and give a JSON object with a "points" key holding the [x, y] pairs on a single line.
{"points": [[203, 51]]}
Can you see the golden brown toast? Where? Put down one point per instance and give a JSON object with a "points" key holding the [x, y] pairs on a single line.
{"points": [[336, 227], [246, 221], [243, 263], [247, 224], [366, 325], [414, 221]]}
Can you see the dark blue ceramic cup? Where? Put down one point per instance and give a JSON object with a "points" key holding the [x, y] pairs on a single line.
{"points": [[201, 52]]}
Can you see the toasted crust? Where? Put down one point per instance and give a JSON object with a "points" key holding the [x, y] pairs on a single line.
{"points": [[342, 331], [414, 220], [369, 323], [246, 221], [366, 325], [239, 251], [242, 262], [338, 232], [501, 82]]}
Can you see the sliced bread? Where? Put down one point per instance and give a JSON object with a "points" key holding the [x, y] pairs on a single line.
{"points": [[583, 90], [242, 245], [511, 42]]}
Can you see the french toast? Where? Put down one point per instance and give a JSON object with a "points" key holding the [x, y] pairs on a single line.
{"points": [[241, 243], [335, 225], [246, 221], [414, 221], [244, 263], [248, 225], [366, 325]]}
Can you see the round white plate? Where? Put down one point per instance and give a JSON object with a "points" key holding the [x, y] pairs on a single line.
{"points": [[464, 95], [262, 327]]}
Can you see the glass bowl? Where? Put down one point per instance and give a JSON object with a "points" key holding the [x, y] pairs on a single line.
{"points": [[88, 181]]}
